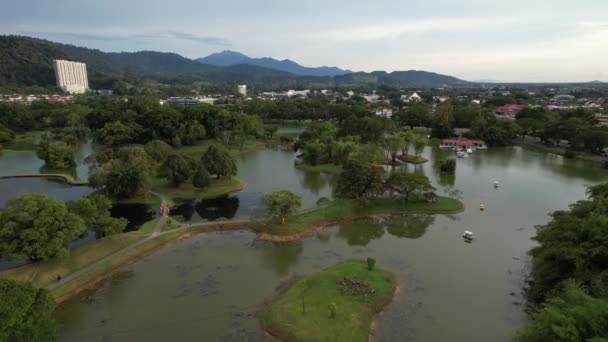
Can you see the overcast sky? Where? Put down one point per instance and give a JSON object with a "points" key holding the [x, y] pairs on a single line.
{"points": [[515, 40]]}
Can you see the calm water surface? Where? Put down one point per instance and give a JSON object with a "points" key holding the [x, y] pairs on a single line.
{"points": [[210, 287]]}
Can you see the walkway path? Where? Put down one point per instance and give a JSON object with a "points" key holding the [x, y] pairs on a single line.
{"points": [[157, 232]]}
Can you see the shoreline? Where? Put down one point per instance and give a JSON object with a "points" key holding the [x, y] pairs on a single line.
{"points": [[62, 177], [283, 288], [311, 231], [99, 274]]}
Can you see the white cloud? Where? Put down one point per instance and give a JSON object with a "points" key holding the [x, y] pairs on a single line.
{"points": [[392, 29]]}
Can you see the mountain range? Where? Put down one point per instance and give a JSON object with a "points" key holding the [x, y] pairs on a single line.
{"points": [[229, 58], [27, 62]]}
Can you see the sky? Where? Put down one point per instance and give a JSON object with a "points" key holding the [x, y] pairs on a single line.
{"points": [[511, 41]]}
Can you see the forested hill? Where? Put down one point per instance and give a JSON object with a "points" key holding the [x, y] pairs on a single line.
{"points": [[27, 62]]}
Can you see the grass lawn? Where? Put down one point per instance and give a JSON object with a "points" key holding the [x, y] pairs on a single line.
{"points": [[44, 273], [217, 188], [325, 168], [354, 313], [413, 159], [23, 142], [162, 188], [342, 209]]}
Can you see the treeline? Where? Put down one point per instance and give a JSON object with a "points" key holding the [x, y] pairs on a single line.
{"points": [[577, 127], [569, 281]]}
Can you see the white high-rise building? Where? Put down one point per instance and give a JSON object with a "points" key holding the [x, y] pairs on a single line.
{"points": [[71, 76], [242, 89]]}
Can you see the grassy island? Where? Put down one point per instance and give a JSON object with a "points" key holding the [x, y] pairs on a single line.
{"points": [[413, 159], [354, 293], [324, 168], [309, 222]]}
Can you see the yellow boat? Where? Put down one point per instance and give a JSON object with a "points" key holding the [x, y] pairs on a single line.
{"points": [[482, 207]]}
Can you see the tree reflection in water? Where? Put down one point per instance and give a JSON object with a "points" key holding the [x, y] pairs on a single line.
{"points": [[280, 257], [361, 232], [408, 226], [209, 210]]}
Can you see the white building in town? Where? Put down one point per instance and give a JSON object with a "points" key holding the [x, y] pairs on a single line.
{"points": [[242, 89], [71, 76], [413, 97]]}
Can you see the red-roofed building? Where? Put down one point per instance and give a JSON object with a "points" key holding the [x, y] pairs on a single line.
{"points": [[464, 143], [509, 111]]}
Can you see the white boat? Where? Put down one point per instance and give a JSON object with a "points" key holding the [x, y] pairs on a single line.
{"points": [[496, 184], [469, 150], [467, 235], [460, 154]]}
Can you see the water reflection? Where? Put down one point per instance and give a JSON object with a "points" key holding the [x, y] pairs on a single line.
{"points": [[210, 210], [408, 226], [136, 213], [360, 232], [280, 257], [313, 181], [446, 179]]}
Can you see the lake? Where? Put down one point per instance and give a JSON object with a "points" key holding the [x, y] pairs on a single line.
{"points": [[211, 286]]}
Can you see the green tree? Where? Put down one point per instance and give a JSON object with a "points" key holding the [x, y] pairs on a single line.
{"points": [[176, 169], [37, 227], [406, 183], [281, 203], [394, 143], [26, 313], [158, 150], [570, 316], [59, 156], [202, 178], [123, 173], [360, 180], [6, 135], [218, 161], [124, 182], [419, 144], [115, 134], [95, 211], [448, 165], [443, 120]]}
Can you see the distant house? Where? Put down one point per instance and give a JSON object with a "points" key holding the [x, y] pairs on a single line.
{"points": [[509, 111], [602, 119], [413, 97], [385, 112], [350, 93], [371, 97], [440, 99], [464, 143]]}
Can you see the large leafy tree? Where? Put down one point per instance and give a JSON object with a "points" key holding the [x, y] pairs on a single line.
{"points": [[95, 211], [360, 180], [218, 161], [201, 178], [572, 315], [37, 227], [282, 203], [405, 183], [158, 150], [176, 169], [394, 143], [123, 173], [115, 134], [59, 156], [26, 312]]}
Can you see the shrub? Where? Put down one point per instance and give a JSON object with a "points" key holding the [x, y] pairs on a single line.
{"points": [[332, 310], [371, 263], [448, 166]]}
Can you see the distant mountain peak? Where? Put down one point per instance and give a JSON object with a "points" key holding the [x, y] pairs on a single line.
{"points": [[228, 58]]}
